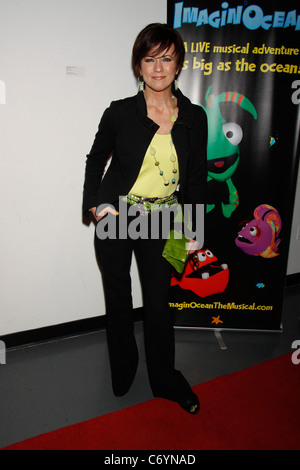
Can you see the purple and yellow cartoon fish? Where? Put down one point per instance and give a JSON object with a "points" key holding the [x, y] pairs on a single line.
{"points": [[260, 236]]}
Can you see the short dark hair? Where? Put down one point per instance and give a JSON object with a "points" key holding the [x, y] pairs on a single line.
{"points": [[160, 35]]}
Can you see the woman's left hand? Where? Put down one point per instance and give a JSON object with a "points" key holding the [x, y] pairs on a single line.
{"points": [[192, 246]]}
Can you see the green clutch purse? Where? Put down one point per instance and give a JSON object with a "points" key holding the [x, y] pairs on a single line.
{"points": [[175, 249]]}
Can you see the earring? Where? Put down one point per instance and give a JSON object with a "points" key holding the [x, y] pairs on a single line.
{"points": [[176, 84], [141, 84]]}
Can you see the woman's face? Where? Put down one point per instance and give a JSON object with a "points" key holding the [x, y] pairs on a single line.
{"points": [[159, 70]]}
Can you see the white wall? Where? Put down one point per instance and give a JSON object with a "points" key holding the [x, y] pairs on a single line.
{"points": [[49, 274], [48, 120]]}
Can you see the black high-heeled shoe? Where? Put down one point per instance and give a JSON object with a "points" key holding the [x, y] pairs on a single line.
{"points": [[191, 405]]}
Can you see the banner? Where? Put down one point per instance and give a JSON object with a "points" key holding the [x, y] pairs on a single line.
{"points": [[242, 66]]}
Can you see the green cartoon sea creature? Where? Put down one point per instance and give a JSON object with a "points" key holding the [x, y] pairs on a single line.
{"points": [[223, 154]]}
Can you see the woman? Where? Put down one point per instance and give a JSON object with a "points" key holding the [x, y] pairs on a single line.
{"points": [[157, 139]]}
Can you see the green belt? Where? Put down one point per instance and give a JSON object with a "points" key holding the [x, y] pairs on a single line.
{"points": [[150, 204]]}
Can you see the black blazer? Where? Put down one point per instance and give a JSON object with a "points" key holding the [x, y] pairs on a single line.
{"points": [[125, 131]]}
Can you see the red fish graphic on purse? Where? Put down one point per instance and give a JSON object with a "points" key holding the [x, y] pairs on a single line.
{"points": [[203, 275]]}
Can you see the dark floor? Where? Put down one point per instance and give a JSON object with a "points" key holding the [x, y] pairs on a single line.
{"points": [[54, 384]]}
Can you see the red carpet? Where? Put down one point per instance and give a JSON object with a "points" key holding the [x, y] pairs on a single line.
{"points": [[257, 408]]}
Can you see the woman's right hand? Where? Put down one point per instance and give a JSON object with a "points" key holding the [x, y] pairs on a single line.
{"points": [[103, 212]]}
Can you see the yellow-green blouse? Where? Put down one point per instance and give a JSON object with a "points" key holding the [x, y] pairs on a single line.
{"points": [[150, 183]]}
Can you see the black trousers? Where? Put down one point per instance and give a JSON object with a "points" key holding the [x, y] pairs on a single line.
{"points": [[115, 256]]}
